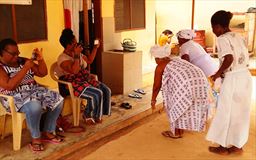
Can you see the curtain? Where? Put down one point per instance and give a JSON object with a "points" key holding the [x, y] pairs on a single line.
{"points": [[71, 14]]}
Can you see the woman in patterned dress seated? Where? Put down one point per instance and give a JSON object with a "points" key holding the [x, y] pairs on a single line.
{"points": [[72, 68], [17, 80], [185, 92]]}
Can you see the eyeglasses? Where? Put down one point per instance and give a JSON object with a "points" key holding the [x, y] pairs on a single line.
{"points": [[12, 53]]}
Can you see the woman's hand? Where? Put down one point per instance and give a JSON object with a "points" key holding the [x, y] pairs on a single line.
{"points": [[96, 43], [153, 105], [77, 51], [215, 76], [29, 64], [38, 54]]}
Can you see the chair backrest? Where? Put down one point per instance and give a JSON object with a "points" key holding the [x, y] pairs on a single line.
{"points": [[56, 78], [75, 100], [53, 71]]}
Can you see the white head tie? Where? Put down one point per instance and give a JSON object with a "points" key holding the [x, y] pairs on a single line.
{"points": [[186, 34]]}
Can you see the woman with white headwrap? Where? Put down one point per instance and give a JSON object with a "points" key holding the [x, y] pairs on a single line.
{"points": [[185, 93], [194, 52]]}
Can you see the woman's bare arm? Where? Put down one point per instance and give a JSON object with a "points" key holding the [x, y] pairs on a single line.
{"points": [[11, 83]]}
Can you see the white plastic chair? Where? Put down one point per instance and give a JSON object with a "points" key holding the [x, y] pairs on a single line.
{"points": [[17, 122], [74, 100]]}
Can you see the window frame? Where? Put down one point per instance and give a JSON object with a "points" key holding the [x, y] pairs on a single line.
{"points": [[13, 22], [131, 12]]}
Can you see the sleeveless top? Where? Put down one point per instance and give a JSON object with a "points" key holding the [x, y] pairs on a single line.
{"points": [[28, 90], [64, 57]]}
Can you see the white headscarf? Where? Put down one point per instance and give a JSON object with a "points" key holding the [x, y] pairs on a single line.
{"points": [[158, 51], [186, 34]]}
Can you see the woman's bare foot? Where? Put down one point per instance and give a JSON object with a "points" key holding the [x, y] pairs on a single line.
{"points": [[179, 132], [36, 145], [51, 138], [97, 120], [169, 134]]}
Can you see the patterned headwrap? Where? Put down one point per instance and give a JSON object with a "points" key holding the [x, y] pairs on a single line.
{"points": [[186, 34]]}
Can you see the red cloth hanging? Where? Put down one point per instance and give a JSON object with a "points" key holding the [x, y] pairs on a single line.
{"points": [[67, 17]]}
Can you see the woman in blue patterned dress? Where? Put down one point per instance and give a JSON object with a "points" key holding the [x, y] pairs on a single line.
{"points": [[17, 80]]}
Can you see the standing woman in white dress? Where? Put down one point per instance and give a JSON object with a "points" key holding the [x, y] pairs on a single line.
{"points": [[230, 126]]}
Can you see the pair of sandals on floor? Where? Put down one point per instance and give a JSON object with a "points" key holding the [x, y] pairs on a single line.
{"points": [[134, 95], [36, 145], [126, 105]]}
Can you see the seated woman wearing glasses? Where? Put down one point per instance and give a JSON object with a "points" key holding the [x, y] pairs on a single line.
{"points": [[17, 80]]}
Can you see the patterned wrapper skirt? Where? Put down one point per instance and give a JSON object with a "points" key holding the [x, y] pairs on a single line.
{"points": [[185, 94]]}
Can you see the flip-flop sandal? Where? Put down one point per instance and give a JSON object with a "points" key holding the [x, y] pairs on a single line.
{"points": [[97, 120], [53, 140], [89, 121], [36, 147], [126, 106], [169, 134], [60, 135], [134, 96], [141, 91]]}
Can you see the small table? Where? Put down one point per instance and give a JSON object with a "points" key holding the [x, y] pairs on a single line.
{"points": [[122, 71]]}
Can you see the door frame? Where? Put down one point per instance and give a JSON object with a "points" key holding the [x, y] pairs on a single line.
{"points": [[98, 28]]}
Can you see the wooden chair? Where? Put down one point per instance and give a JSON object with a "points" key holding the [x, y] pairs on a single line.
{"points": [[17, 122], [74, 100]]}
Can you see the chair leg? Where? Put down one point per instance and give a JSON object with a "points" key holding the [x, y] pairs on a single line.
{"points": [[17, 131], [74, 112], [78, 106], [2, 129]]}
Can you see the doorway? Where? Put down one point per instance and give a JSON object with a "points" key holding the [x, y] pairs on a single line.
{"points": [[84, 18], [92, 30]]}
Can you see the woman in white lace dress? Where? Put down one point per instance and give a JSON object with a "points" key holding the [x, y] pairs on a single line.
{"points": [[230, 126]]}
